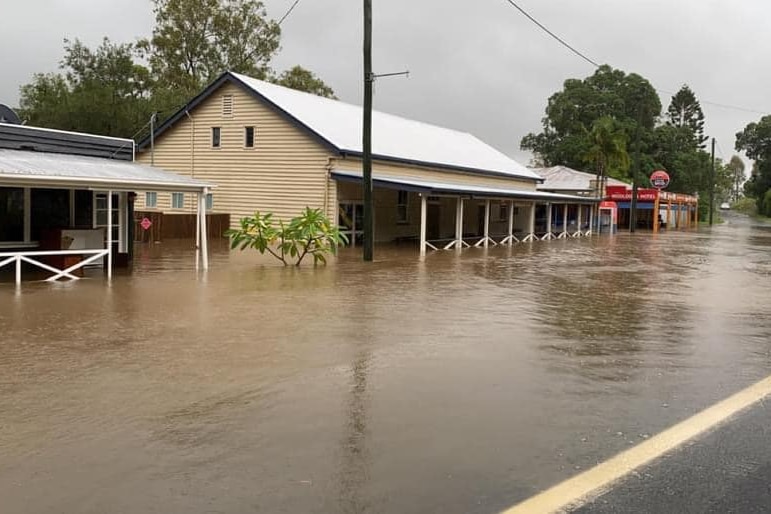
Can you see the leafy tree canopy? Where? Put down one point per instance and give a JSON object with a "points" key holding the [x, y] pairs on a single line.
{"points": [[571, 113], [755, 141], [114, 88], [102, 90], [304, 80], [194, 41]]}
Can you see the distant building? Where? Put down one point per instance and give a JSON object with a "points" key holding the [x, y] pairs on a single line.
{"points": [[561, 179]]}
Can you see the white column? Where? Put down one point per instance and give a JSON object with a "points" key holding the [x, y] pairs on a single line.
{"points": [[109, 234], [198, 197], [548, 235], [459, 223], [423, 218], [511, 223], [591, 221], [204, 234], [564, 220], [579, 208], [122, 220], [487, 222], [27, 214], [531, 224]]}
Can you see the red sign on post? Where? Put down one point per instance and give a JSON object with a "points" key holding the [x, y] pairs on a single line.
{"points": [[145, 223], [660, 179]]}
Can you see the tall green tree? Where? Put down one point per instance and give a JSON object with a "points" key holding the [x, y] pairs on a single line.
{"points": [[304, 80], [685, 110], [736, 166], [628, 98], [114, 88], [194, 41], [755, 141], [103, 90]]}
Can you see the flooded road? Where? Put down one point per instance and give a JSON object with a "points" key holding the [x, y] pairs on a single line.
{"points": [[464, 383]]}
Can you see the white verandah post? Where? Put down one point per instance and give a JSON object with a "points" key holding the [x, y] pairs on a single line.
{"points": [[459, 223], [109, 234], [423, 219], [204, 235], [564, 232], [591, 220], [487, 222], [531, 225], [549, 234], [579, 208], [197, 230], [511, 222]]}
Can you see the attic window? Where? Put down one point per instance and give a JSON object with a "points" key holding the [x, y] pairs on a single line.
{"points": [[227, 106]]}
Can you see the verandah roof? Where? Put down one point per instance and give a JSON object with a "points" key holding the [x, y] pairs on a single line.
{"points": [[435, 187], [35, 169]]}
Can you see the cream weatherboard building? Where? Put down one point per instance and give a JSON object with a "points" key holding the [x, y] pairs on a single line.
{"points": [[272, 149]]}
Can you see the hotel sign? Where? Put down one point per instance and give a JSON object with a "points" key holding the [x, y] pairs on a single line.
{"points": [[622, 194], [660, 179]]}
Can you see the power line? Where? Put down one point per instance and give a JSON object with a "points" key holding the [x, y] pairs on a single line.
{"points": [[717, 104], [593, 63], [552, 34], [286, 14]]}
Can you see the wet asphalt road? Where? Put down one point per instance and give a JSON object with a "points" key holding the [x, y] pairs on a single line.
{"points": [[727, 470]]}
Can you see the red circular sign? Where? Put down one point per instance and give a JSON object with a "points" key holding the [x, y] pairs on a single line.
{"points": [[660, 179]]}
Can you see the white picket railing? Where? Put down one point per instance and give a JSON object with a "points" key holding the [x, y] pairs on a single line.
{"points": [[7, 258]]}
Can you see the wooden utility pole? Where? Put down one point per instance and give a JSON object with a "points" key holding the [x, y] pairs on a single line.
{"points": [[367, 134], [635, 174], [712, 185]]}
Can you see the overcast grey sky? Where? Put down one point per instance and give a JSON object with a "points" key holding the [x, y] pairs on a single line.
{"points": [[477, 66]]}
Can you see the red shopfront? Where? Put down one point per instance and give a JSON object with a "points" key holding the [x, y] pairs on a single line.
{"points": [[655, 209]]}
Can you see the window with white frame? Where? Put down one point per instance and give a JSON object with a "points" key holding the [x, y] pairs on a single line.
{"points": [[402, 207], [177, 200], [151, 200], [209, 202], [249, 137]]}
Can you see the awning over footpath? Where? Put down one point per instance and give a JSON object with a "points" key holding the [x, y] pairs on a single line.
{"points": [[23, 168], [438, 188]]}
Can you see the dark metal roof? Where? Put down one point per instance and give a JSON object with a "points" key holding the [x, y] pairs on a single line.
{"points": [[23, 137]]}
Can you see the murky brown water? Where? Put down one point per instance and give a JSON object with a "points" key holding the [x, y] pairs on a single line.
{"points": [[461, 384]]}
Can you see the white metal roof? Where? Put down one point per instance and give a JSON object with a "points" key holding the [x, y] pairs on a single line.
{"points": [[392, 136], [463, 189], [562, 178], [51, 169]]}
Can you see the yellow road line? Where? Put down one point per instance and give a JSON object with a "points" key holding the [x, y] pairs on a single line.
{"points": [[597, 480]]}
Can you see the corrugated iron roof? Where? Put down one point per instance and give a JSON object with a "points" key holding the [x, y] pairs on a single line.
{"points": [[562, 178], [394, 137], [430, 186], [21, 166]]}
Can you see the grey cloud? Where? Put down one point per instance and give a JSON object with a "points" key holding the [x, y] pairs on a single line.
{"points": [[476, 66]]}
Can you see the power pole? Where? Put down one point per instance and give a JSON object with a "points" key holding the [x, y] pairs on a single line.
{"points": [[369, 228], [712, 184], [635, 175]]}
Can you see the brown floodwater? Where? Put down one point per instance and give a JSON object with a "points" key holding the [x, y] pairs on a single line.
{"points": [[464, 383]]}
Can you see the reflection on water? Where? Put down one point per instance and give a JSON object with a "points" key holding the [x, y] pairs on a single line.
{"points": [[462, 383]]}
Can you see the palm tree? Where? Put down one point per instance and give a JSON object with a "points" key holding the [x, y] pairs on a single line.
{"points": [[607, 151]]}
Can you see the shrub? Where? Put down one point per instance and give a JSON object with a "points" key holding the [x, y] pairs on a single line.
{"points": [[746, 206], [310, 233]]}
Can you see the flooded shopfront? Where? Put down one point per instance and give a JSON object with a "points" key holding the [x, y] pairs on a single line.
{"points": [[464, 382]]}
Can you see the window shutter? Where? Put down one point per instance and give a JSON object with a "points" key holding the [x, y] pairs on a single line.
{"points": [[227, 106]]}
